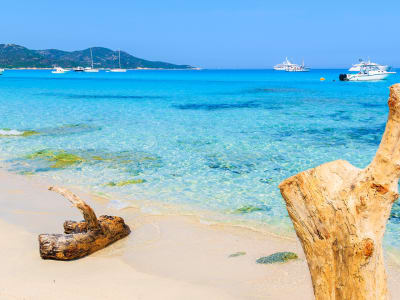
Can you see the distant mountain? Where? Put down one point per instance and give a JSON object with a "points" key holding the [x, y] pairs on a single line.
{"points": [[15, 56]]}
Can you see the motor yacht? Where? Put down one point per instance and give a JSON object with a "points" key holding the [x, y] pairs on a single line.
{"points": [[291, 67], [297, 68], [1, 71], [357, 67], [368, 72], [283, 66]]}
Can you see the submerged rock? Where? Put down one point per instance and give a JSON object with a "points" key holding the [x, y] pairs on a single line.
{"points": [[126, 182], [68, 129], [278, 257], [26, 173], [246, 209], [131, 162], [240, 253], [61, 158], [29, 133]]}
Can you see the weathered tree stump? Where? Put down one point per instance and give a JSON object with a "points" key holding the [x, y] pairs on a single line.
{"points": [[340, 212], [81, 238]]}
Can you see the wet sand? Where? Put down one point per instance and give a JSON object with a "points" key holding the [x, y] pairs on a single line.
{"points": [[165, 257]]}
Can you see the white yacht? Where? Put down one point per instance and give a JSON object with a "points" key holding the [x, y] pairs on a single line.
{"points": [[283, 66], [118, 70], [1, 71], [291, 67], [297, 68], [368, 72], [59, 70], [357, 67], [91, 69]]}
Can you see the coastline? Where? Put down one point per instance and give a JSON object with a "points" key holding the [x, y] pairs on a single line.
{"points": [[104, 69], [177, 257]]}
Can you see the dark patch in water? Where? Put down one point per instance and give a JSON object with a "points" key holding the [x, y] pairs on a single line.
{"points": [[272, 90], [372, 105], [265, 180], [68, 129], [246, 209], [271, 106], [221, 106], [132, 162], [319, 131], [395, 213], [340, 115], [371, 135], [104, 96], [229, 165]]}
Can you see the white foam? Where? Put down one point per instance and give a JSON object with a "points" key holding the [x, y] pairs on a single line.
{"points": [[10, 132]]}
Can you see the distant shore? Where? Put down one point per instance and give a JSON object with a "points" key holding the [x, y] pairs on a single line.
{"points": [[105, 69]]}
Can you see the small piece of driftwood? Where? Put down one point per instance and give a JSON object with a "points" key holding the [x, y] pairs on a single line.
{"points": [[81, 238], [340, 212]]}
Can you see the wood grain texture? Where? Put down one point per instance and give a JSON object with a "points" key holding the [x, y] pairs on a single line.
{"points": [[340, 213], [81, 238]]}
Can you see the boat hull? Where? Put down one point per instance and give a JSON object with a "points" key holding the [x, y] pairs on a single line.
{"points": [[374, 77], [363, 77], [118, 70]]}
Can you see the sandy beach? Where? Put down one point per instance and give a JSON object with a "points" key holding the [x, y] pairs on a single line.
{"points": [[165, 257]]}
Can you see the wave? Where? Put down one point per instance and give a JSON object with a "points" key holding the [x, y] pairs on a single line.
{"points": [[10, 132]]}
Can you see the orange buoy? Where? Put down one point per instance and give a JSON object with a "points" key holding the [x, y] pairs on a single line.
{"points": [[322, 79]]}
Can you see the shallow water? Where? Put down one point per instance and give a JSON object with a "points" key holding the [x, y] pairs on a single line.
{"points": [[210, 140]]}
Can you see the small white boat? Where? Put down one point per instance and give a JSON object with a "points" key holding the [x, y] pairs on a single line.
{"points": [[59, 70], [118, 70], [368, 72], [91, 69], [79, 69], [1, 71]]}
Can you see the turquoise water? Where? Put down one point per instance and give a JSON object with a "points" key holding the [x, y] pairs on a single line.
{"points": [[218, 140]]}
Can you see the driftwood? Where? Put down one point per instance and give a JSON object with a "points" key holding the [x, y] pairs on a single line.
{"points": [[340, 212], [81, 238]]}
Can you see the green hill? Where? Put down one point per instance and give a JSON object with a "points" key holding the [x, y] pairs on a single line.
{"points": [[15, 56]]}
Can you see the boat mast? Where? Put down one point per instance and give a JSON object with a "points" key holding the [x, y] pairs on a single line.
{"points": [[119, 58], [91, 56]]}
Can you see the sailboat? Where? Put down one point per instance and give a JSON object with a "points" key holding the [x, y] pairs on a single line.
{"points": [[119, 70], [91, 69], [1, 71]]}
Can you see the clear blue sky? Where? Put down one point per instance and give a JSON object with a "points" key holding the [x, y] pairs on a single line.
{"points": [[213, 33]]}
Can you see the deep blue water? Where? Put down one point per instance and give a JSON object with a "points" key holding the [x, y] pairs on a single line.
{"points": [[217, 140]]}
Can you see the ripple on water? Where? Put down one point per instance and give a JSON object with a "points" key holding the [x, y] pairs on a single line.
{"points": [[215, 140]]}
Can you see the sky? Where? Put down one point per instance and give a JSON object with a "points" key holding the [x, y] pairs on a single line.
{"points": [[213, 33]]}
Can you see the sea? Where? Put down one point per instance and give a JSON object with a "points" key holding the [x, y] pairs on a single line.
{"points": [[213, 143]]}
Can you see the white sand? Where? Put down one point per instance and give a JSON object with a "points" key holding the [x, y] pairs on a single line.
{"points": [[165, 257]]}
